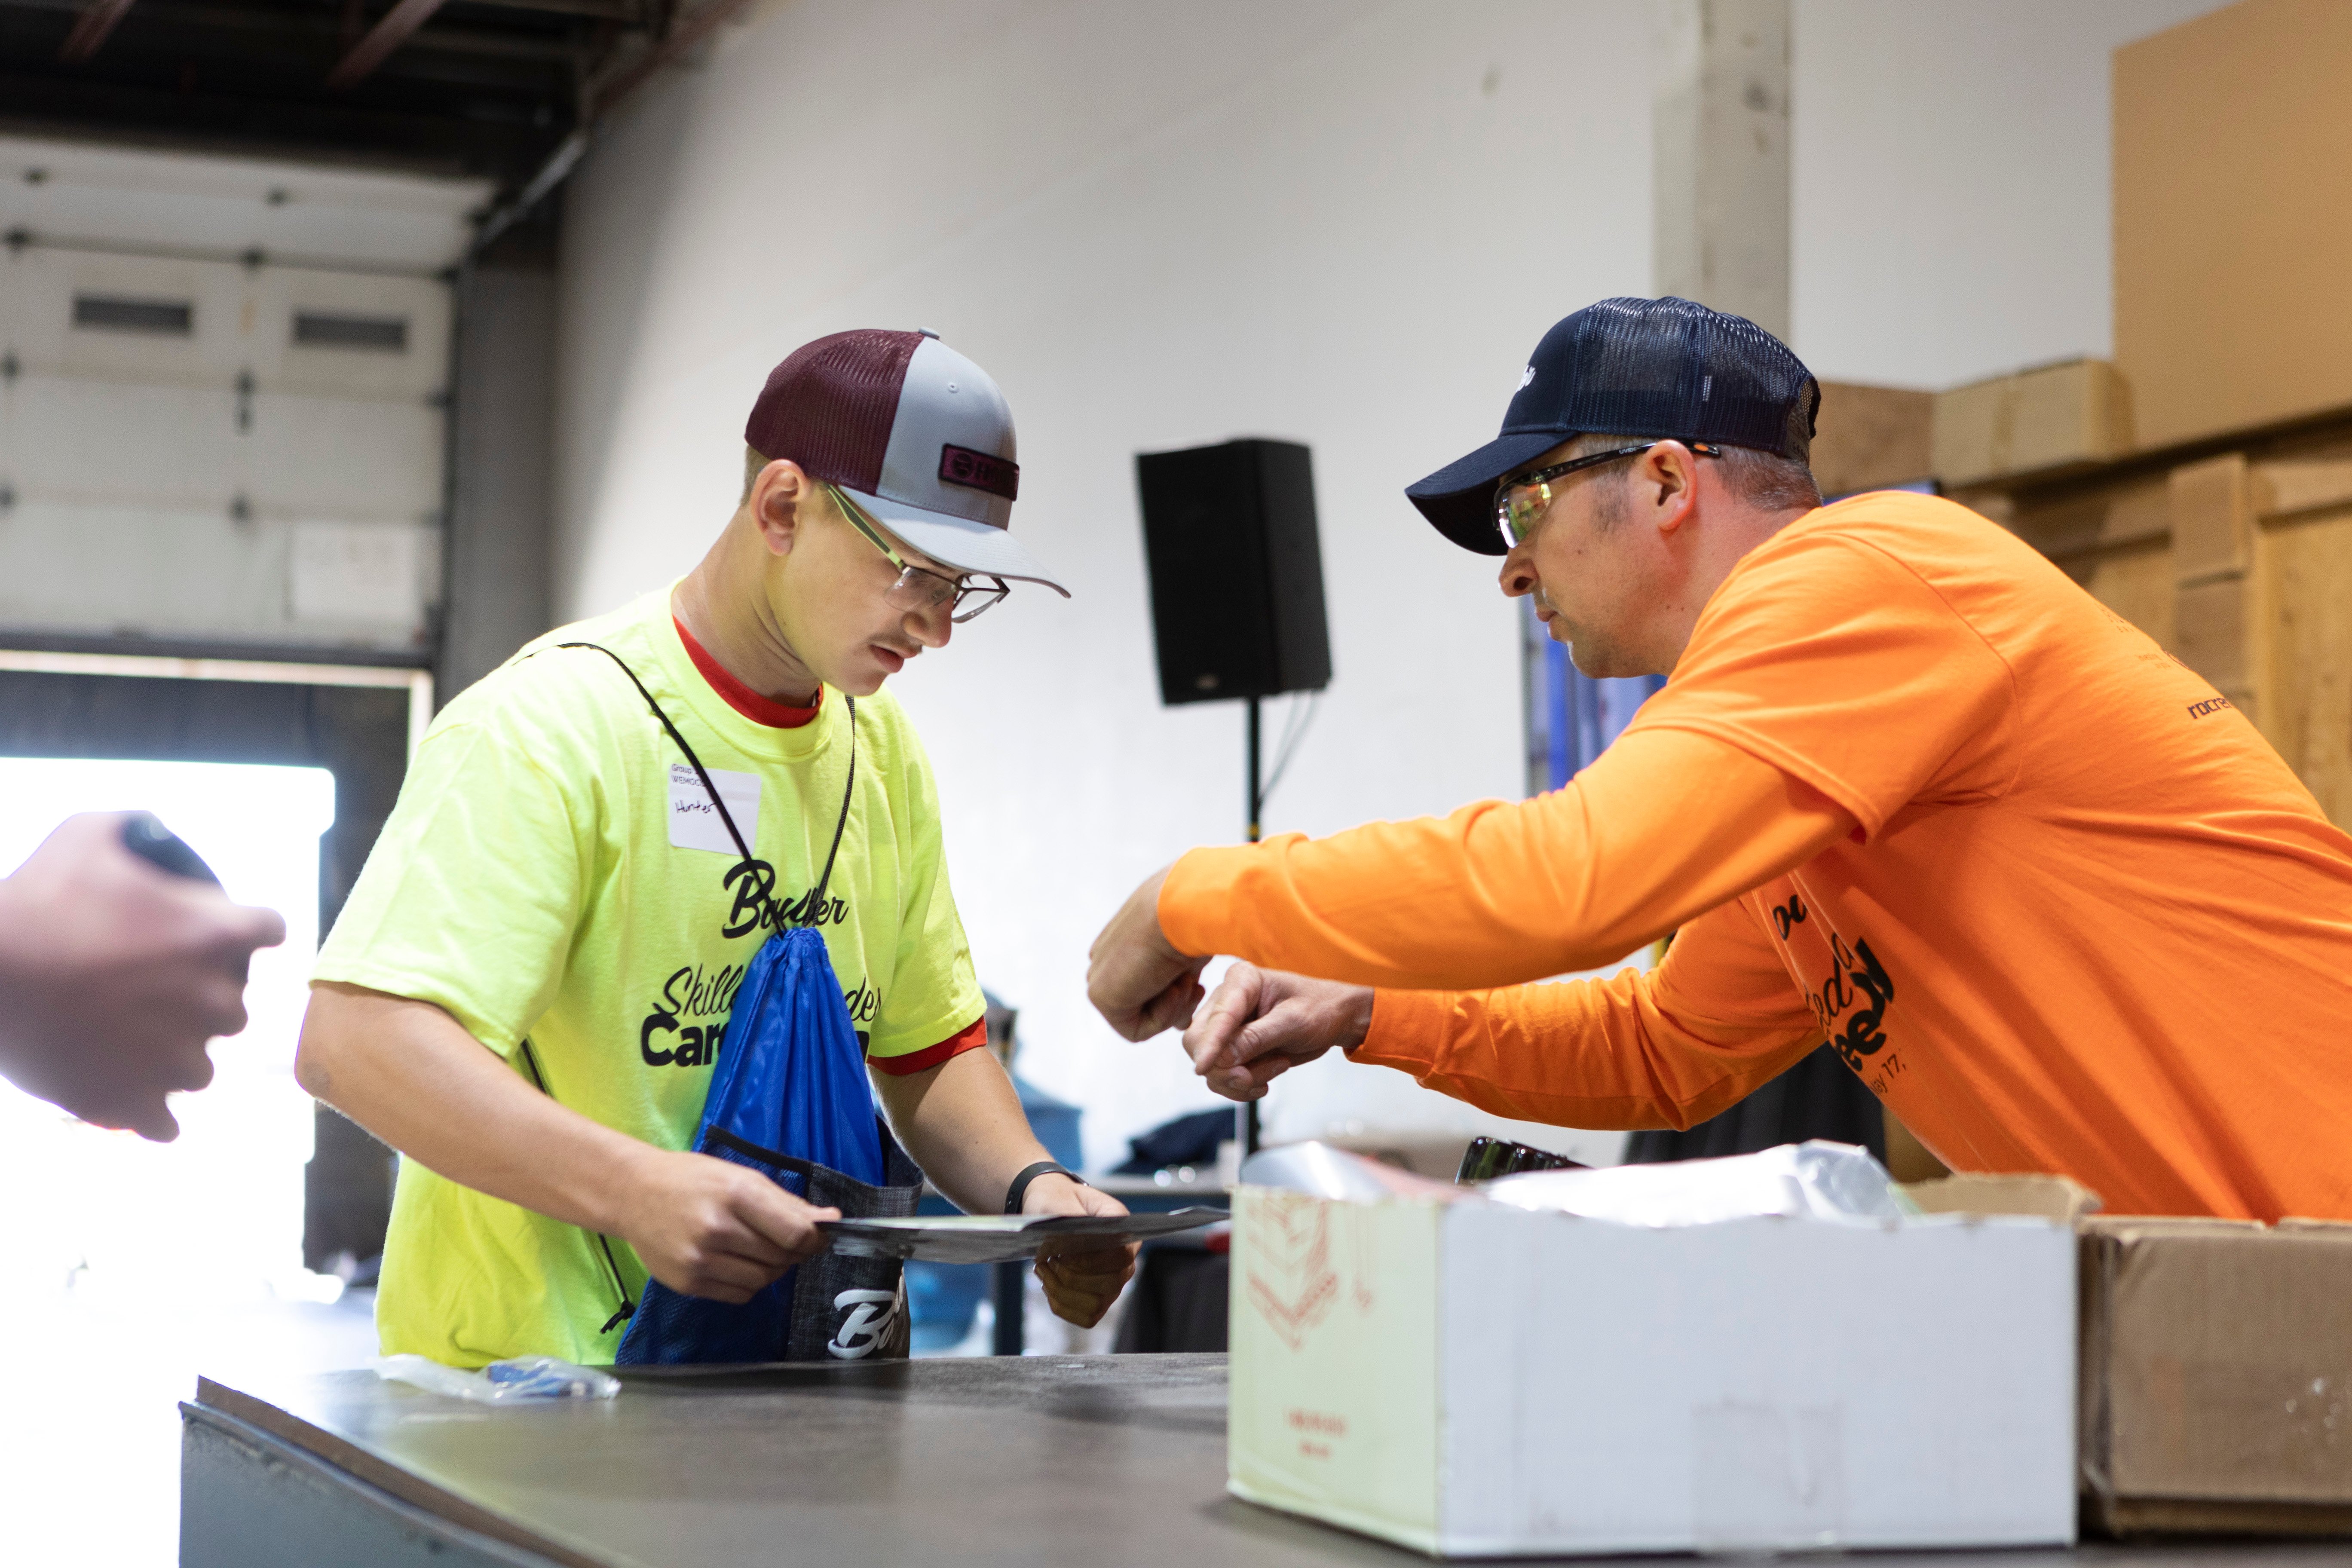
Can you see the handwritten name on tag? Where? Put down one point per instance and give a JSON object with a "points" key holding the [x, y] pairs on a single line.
{"points": [[695, 823]]}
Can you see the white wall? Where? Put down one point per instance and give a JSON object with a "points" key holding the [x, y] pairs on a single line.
{"points": [[1949, 165], [1338, 222], [1155, 226]]}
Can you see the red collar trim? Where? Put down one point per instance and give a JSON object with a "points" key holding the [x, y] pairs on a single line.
{"points": [[742, 698]]}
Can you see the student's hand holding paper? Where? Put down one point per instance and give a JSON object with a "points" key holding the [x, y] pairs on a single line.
{"points": [[1081, 1279], [1262, 1023]]}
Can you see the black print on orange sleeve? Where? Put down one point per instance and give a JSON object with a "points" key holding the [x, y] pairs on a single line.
{"points": [[1862, 1036]]}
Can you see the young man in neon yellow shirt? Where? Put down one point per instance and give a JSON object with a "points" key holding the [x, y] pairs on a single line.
{"points": [[556, 901]]}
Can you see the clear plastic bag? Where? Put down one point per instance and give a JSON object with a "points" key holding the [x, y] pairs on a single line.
{"points": [[1832, 1183], [1835, 1183], [518, 1381]]}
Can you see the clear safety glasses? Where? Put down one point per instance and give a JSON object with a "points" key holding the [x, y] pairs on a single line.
{"points": [[1521, 502], [918, 589]]}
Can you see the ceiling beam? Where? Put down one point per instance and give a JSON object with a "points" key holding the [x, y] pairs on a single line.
{"points": [[91, 29], [390, 32], [299, 29], [684, 35], [340, 130]]}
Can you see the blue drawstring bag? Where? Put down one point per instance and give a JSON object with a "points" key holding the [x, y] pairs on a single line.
{"points": [[788, 1098]]}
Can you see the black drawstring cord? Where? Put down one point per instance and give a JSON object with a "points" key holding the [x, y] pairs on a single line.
{"points": [[628, 1309], [620, 1287], [814, 900]]}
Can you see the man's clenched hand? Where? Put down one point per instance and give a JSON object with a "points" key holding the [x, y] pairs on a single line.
{"points": [[1136, 979], [1262, 1022], [114, 975]]}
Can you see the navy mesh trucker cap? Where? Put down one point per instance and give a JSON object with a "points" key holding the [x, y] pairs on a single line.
{"points": [[1631, 367]]}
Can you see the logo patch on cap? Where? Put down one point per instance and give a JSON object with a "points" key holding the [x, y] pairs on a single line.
{"points": [[978, 471]]}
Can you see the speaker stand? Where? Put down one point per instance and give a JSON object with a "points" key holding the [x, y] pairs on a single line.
{"points": [[1256, 792], [1246, 1127]]}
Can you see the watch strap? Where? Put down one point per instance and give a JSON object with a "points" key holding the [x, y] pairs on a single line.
{"points": [[1020, 1187]]}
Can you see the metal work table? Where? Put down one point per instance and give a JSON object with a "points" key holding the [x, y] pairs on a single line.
{"points": [[1037, 1462]]}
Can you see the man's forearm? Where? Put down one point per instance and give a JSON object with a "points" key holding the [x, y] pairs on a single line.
{"points": [[961, 1122], [1587, 1053], [1663, 828], [409, 1073]]}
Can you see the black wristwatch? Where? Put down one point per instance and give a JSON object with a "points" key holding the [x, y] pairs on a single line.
{"points": [[1020, 1187]]}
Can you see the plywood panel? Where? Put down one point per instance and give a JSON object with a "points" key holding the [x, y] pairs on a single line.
{"points": [[2125, 515], [2309, 704], [1868, 436], [2319, 483], [2213, 519]]}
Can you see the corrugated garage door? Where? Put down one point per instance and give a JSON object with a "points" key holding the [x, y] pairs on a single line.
{"points": [[214, 451], [222, 400]]}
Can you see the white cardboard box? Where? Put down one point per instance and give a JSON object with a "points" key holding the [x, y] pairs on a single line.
{"points": [[1474, 1380]]}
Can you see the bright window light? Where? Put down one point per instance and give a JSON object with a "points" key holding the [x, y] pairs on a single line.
{"points": [[129, 1266]]}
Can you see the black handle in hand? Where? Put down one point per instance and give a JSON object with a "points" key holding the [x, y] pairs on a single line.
{"points": [[159, 845]]}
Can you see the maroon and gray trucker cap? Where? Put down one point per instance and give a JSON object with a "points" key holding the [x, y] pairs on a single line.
{"points": [[916, 434]]}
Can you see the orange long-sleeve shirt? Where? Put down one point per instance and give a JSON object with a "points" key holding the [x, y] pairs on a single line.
{"points": [[1910, 789]]}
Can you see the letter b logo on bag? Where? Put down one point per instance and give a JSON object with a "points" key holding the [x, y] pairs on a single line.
{"points": [[867, 1324]]}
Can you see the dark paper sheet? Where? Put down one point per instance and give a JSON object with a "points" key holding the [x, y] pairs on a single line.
{"points": [[998, 1238]]}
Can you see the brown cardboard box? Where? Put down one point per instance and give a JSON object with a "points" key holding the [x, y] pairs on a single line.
{"points": [[2232, 135], [2217, 1375], [2038, 421]]}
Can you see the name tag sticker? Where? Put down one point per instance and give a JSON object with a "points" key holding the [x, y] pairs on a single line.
{"points": [[695, 823]]}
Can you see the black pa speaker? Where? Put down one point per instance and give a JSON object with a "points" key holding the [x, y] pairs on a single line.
{"points": [[1236, 572]]}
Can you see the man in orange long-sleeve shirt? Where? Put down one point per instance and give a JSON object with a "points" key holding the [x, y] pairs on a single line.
{"points": [[1908, 788]]}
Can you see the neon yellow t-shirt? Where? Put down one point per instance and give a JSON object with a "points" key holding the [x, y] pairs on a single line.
{"points": [[553, 870]]}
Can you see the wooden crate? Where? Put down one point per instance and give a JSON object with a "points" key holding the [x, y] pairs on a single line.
{"points": [[2236, 555]]}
